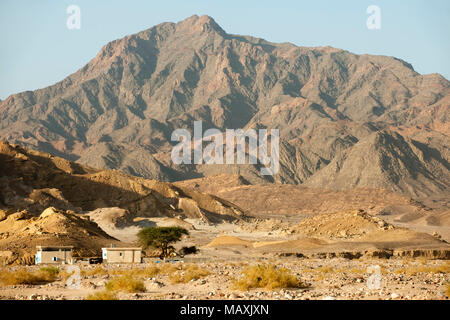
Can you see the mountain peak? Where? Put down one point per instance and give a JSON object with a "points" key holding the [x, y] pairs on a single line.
{"points": [[202, 23]]}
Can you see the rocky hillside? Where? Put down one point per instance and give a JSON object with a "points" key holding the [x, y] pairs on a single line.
{"points": [[21, 232], [345, 120], [33, 181]]}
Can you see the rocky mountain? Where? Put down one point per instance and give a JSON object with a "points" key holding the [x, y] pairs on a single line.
{"points": [[389, 161], [345, 120]]}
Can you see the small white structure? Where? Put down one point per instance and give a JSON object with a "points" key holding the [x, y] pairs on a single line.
{"points": [[122, 255], [53, 255]]}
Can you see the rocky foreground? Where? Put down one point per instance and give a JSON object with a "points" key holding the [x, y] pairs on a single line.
{"points": [[338, 279]]}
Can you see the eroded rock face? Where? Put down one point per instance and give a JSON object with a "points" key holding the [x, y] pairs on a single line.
{"points": [[35, 181], [442, 254], [345, 120]]}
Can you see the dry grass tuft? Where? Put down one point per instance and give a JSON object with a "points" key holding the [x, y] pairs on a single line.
{"points": [[357, 270], [22, 276], [414, 270], [325, 270], [151, 271], [188, 273], [266, 276], [102, 295], [169, 268], [125, 283], [52, 271]]}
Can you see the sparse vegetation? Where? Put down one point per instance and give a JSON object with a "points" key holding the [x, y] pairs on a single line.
{"points": [[148, 272], [178, 273], [357, 270], [125, 283], [102, 295], [266, 276], [414, 270], [188, 273], [169, 268], [161, 238], [23, 276], [151, 271], [325, 270], [53, 271]]}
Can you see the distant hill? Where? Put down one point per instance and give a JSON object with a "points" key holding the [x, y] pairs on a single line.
{"points": [[34, 181]]}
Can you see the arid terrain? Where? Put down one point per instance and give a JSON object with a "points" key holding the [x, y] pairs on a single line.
{"points": [[328, 241], [337, 278], [360, 208], [227, 250]]}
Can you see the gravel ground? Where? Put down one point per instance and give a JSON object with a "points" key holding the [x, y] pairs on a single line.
{"points": [[325, 279]]}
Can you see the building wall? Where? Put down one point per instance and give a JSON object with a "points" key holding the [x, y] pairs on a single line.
{"points": [[123, 256], [47, 257]]}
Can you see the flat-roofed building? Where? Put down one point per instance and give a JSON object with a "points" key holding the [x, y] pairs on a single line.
{"points": [[122, 255], [53, 255]]}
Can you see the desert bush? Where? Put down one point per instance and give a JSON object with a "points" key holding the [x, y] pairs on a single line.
{"points": [[102, 295], [52, 271], [23, 276], [169, 268], [188, 273], [151, 271], [266, 276], [125, 283]]}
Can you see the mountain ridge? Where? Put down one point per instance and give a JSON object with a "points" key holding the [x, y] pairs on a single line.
{"points": [[118, 111]]}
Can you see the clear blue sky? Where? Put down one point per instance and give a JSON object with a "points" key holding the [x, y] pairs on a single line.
{"points": [[38, 50]]}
